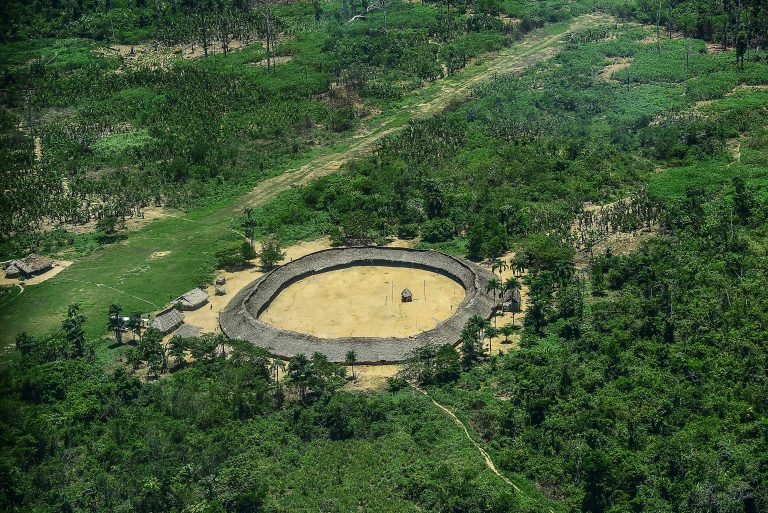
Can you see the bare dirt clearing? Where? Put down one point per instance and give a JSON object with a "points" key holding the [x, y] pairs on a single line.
{"points": [[617, 64], [364, 301]]}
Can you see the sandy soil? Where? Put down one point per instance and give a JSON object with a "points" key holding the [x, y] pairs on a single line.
{"points": [[369, 378], [207, 317], [280, 59], [617, 64], [364, 301], [131, 223], [663, 34], [59, 266]]}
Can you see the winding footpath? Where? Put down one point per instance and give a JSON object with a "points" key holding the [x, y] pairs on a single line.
{"points": [[486, 457]]}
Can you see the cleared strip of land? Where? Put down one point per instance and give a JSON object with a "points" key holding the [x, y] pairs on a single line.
{"points": [[127, 273]]}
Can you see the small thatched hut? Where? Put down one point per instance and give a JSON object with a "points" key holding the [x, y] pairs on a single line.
{"points": [[406, 296], [513, 302], [186, 331], [28, 266], [192, 300], [168, 320]]}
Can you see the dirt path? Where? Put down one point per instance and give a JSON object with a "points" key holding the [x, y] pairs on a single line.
{"points": [[436, 97], [488, 461]]}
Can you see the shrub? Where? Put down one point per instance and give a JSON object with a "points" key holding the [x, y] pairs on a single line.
{"points": [[438, 230]]}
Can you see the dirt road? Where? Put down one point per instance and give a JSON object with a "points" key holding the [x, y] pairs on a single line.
{"points": [[432, 100]]}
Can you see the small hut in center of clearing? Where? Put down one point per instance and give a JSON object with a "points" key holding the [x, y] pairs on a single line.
{"points": [[406, 296]]}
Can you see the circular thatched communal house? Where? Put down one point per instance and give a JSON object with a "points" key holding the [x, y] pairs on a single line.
{"points": [[240, 319]]}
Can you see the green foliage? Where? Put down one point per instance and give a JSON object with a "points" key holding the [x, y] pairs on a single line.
{"points": [[271, 253]]}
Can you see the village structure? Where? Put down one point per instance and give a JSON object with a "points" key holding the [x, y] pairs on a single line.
{"points": [[192, 300], [512, 302], [29, 266], [168, 320]]}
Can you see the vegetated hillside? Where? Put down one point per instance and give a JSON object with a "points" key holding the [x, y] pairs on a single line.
{"points": [[109, 109], [527, 152]]}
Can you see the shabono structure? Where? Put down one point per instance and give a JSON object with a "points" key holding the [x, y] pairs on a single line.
{"points": [[406, 296], [240, 319], [168, 320], [28, 266], [192, 300]]}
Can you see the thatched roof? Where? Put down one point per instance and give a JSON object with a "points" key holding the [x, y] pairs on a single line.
{"points": [[31, 264], [240, 319], [514, 296], [187, 331], [168, 320], [193, 299], [406, 293]]}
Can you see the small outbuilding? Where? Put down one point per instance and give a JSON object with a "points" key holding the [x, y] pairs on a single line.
{"points": [[220, 290], [221, 280], [186, 331], [168, 320], [29, 266], [513, 302], [406, 296], [192, 300]]}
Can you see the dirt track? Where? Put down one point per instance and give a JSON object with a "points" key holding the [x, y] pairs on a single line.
{"points": [[513, 60]]}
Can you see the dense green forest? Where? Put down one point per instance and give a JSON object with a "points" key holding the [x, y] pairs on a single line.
{"points": [[641, 377]]}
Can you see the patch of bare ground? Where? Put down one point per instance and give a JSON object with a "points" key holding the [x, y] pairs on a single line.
{"points": [[158, 56], [279, 59], [595, 233], [370, 378], [617, 64], [651, 38], [715, 48], [133, 222], [159, 254], [59, 266]]}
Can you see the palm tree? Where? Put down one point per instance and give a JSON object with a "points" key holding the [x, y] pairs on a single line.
{"points": [[115, 322], [518, 264], [507, 330], [491, 332], [277, 366], [511, 285], [350, 360], [177, 346], [494, 286], [134, 324], [499, 265], [300, 374]]}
